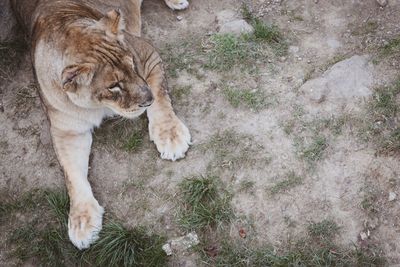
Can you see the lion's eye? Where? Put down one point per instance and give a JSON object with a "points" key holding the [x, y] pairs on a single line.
{"points": [[115, 88]]}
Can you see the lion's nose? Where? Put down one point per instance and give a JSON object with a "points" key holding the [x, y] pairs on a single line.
{"points": [[148, 98]]}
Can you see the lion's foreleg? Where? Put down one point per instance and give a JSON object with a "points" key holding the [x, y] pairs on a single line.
{"points": [[85, 217], [168, 132], [133, 17]]}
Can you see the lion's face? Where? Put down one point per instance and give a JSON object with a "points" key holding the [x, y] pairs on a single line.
{"points": [[106, 74], [125, 91]]}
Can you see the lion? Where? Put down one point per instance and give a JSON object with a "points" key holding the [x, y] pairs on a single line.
{"points": [[91, 63]]}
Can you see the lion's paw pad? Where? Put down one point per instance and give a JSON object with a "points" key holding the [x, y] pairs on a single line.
{"points": [[172, 139], [84, 224], [177, 4]]}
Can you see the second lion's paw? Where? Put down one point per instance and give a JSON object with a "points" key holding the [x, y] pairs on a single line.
{"points": [[177, 4], [171, 137]]}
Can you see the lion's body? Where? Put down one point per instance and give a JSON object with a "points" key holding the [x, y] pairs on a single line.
{"points": [[89, 65]]}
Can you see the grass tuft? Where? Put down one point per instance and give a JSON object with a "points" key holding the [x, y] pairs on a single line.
{"points": [[314, 151], [44, 240], [134, 142], [291, 180], [323, 230], [59, 205], [253, 99], [303, 252], [206, 203], [118, 246], [267, 33], [29, 200], [227, 51], [381, 126], [121, 134], [391, 48]]}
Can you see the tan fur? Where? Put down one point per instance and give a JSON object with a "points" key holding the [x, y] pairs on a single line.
{"points": [[91, 63]]}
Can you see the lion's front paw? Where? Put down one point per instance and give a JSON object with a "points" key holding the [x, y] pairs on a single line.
{"points": [[84, 223], [171, 137], [177, 4]]}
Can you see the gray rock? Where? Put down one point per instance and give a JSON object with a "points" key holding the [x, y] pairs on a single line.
{"points": [[181, 244], [8, 24], [225, 16], [345, 81], [363, 236], [392, 196], [236, 27]]}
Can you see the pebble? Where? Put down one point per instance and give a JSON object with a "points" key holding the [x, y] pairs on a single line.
{"points": [[363, 236], [181, 244], [392, 196], [179, 18]]}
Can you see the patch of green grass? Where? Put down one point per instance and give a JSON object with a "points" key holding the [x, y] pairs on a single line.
{"points": [[43, 240], [206, 203], [302, 253], [253, 99], [134, 142], [122, 134], [10, 204], [317, 248], [381, 125], [224, 143], [59, 205], [392, 48], [291, 180], [392, 142], [182, 56], [265, 33], [314, 151], [181, 92], [227, 51], [370, 201], [45, 246], [384, 103], [246, 186], [233, 150], [367, 28], [10, 52], [325, 229], [118, 246]]}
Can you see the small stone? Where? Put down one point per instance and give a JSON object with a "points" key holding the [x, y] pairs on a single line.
{"points": [[179, 18], [167, 248], [293, 49], [392, 196], [181, 244], [382, 3], [363, 236]]}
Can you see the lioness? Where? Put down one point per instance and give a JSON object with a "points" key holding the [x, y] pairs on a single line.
{"points": [[91, 64]]}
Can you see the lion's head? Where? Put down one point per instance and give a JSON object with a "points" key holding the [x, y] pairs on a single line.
{"points": [[101, 71]]}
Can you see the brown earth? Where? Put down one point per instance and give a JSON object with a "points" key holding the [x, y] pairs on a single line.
{"points": [[140, 188]]}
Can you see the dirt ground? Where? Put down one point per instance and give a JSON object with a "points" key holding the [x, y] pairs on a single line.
{"points": [[140, 188]]}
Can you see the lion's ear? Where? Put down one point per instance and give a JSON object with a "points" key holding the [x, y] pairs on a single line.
{"points": [[73, 75], [113, 22]]}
